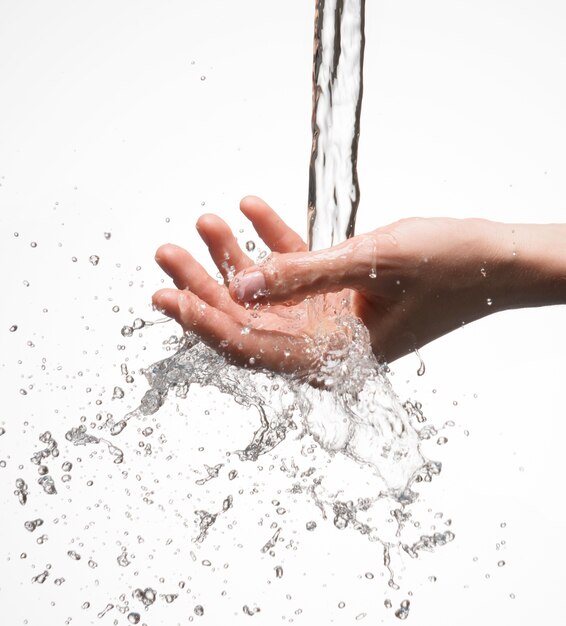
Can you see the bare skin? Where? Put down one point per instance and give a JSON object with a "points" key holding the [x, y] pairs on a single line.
{"points": [[409, 283]]}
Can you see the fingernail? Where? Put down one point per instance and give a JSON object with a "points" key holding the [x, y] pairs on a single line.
{"points": [[250, 286]]}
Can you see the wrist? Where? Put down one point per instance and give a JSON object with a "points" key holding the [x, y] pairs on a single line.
{"points": [[532, 264]]}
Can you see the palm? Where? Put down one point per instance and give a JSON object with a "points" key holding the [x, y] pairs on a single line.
{"points": [[277, 337]]}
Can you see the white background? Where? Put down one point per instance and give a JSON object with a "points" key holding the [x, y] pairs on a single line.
{"points": [[117, 115]]}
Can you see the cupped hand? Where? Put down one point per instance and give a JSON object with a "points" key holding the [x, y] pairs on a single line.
{"points": [[276, 337]]}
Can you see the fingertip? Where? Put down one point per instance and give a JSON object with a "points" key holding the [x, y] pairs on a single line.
{"points": [[249, 204], [166, 300], [249, 286], [164, 252]]}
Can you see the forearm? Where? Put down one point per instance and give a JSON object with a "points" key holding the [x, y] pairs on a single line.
{"points": [[531, 265]]}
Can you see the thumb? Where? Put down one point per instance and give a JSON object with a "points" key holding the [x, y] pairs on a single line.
{"points": [[293, 277]]}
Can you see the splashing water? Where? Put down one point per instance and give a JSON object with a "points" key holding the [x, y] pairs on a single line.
{"points": [[347, 415], [351, 409]]}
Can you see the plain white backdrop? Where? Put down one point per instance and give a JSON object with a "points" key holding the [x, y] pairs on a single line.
{"points": [[133, 118]]}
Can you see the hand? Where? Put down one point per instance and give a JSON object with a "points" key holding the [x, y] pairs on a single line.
{"points": [[409, 283], [278, 337]]}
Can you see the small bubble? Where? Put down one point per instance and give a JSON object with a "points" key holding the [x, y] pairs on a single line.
{"points": [[500, 563], [13, 328], [94, 259], [278, 571], [107, 235], [116, 308], [134, 618], [74, 259], [489, 301], [203, 77], [127, 331], [369, 575], [483, 272], [311, 526], [199, 610], [33, 244], [441, 441], [250, 246], [341, 605]]}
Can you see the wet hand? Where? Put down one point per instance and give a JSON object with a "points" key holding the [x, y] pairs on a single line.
{"points": [[275, 337]]}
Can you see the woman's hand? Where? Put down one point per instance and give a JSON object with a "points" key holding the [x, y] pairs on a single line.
{"points": [[409, 283]]}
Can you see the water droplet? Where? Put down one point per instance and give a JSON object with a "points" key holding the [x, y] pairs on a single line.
{"points": [[311, 525], [403, 611], [94, 259], [118, 393], [441, 441], [278, 571], [199, 610], [483, 272], [122, 559], [127, 331], [40, 578], [489, 301], [422, 367], [105, 610]]}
